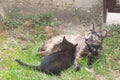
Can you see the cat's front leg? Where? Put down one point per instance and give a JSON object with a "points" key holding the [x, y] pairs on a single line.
{"points": [[76, 61]]}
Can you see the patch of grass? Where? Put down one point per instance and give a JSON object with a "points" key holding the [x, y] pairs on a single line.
{"points": [[15, 20], [115, 28]]}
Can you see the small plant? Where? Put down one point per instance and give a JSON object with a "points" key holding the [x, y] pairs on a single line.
{"points": [[115, 28], [14, 20], [42, 20]]}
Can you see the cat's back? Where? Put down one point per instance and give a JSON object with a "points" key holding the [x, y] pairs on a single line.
{"points": [[49, 46], [71, 38], [55, 59]]}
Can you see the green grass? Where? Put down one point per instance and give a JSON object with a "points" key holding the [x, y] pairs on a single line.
{"points": [[105, 66]]}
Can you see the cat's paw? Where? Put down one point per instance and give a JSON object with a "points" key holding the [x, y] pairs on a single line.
{"points": [[76, 67]]}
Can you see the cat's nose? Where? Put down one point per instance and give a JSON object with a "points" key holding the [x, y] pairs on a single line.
{"points": [[86, 39]]}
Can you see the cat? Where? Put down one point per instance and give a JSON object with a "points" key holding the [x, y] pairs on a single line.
{"points": [[90, 45], [57, 61]]}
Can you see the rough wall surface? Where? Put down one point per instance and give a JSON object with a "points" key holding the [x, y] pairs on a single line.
{"points": [[76, 11]]}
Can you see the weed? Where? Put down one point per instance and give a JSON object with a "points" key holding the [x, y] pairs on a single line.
{"points": [[14, 19], [115, 28]]}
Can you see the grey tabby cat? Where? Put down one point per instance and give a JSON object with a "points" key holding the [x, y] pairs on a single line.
{"points": [[90, 45]]}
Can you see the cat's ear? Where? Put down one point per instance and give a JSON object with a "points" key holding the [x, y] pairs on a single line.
{"points": [[104, 33], [75, 45], [64, 40], [92, 26]]}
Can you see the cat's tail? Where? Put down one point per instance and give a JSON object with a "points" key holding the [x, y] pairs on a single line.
{"points": [[27, 65]]}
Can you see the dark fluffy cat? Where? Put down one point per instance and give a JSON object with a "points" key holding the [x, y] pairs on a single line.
{"points": [[57, 61]]}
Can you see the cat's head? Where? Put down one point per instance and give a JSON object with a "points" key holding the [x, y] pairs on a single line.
{"points": [[94, 39], [66, 45]]}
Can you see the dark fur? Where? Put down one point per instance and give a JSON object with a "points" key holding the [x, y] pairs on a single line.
{"points": [[95, 48], [56, 62], [94, 54]]}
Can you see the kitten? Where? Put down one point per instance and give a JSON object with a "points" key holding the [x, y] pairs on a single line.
{"points": [[57, 61]]}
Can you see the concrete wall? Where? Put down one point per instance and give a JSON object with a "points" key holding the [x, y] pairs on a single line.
{"points": [[76, 11]]}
